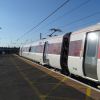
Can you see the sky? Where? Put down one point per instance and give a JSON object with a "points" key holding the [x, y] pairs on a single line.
{"points": [[18, 16]]}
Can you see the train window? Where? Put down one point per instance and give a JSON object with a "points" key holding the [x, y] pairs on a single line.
{"points": [[91, 52], [75, 48], [37, 49], [32, 49], [54, 48], [92, 40], [25, 49]]}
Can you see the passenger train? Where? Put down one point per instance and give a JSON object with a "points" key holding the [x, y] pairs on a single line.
{"points": [[75, 53]]}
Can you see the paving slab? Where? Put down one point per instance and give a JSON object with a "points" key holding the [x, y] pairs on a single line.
{"points": [[21, 81]]}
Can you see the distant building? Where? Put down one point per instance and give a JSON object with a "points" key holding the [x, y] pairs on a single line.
{"points": [[9, 50]]}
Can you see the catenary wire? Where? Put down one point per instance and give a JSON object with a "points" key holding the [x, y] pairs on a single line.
{"points": [[68, 12], [34, 27], [81, 19]]}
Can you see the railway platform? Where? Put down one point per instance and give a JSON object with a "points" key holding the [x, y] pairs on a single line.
{"points": [[21, 79]]}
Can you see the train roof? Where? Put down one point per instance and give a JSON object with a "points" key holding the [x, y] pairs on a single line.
{"points": [[59, 37], [42, 41], [88, 29]]}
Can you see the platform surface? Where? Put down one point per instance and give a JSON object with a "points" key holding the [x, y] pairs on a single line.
{"points": [[21, 81]]}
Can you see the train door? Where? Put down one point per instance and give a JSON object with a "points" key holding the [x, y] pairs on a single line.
{"points": [[45, 53], [21, 51], [90, 60], [64, 53]]}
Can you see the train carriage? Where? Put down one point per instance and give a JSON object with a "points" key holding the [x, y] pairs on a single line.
{"points": [[75, 53], [84, 53], [34, 51], [52, 51]]}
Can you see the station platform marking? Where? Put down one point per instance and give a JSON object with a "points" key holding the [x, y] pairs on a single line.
{"points": [[86, 89], [30, 82]]}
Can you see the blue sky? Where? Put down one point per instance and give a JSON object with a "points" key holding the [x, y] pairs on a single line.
{"points": [[18, 16]]}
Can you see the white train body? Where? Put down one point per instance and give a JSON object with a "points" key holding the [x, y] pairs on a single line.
{"points": [[51, 54], [76, 53], [52, 51], [76, 63], [30, 52]]}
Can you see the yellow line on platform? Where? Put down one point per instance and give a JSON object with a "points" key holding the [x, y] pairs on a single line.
{"points": [[43, 97], [56, 86], [33, 65], [88, 91], [30, 82]]}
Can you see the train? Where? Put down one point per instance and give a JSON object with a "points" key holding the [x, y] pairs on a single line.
{"points": [[76, 53]]}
